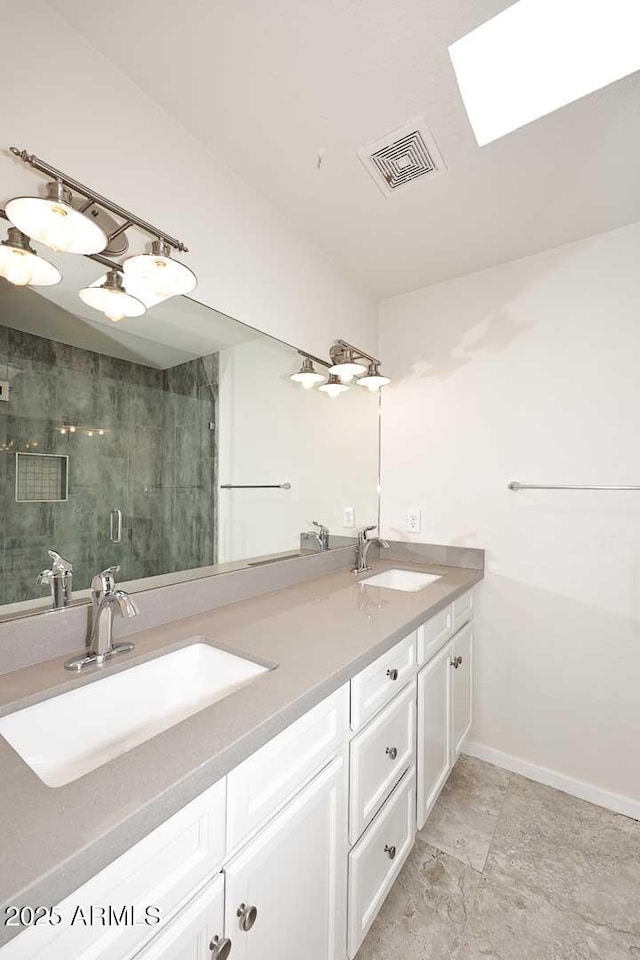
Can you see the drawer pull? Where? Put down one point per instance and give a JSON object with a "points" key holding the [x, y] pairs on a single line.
{"points": [[247, 915], [390, 851], [220, 948], [392, 752], [392, 674], [455, 663]]}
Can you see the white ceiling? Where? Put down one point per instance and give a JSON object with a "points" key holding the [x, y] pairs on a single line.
{"points": [[264, 85]]}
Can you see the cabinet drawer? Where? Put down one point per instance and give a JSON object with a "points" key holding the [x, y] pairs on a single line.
{"points": [[378, 683], [380, 754], [372, 868], [189, 936], [161, 871], [434, 633], [462, 610], [263, 782]]}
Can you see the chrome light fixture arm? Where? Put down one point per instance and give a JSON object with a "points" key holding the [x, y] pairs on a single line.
{"points": [[129, 218]]}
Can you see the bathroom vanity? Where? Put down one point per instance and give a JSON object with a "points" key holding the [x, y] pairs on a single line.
{"points": [[318, 774]]}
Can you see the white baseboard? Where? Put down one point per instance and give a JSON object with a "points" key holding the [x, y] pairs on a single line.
{"points": [[551, 778]]}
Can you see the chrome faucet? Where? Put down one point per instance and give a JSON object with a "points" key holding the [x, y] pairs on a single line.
{"points": [[106, 600], [59, 579], [363, 546], [322, 536]]}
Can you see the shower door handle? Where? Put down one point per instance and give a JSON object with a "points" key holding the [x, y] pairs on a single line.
{"points": [[115, 526]]}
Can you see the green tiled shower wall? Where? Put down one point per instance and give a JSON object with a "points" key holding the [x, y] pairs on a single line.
{"points": [[156, 461]]}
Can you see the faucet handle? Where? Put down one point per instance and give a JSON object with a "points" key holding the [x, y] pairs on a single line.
{"points": [[105, 581], [362, 534], [321, 527], [58, 564]]}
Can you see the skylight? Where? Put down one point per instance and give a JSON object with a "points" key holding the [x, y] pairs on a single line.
{"points": [[539, 55]]}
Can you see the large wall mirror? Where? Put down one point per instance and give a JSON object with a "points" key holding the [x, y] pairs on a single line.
{"points": [[174, 445]]}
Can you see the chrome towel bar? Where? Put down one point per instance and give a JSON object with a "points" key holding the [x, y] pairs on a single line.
{"points": [[255, 486], [515, 485]]}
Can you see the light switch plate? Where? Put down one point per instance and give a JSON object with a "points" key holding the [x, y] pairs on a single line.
{"points": [[414, 521], [348, 517]]}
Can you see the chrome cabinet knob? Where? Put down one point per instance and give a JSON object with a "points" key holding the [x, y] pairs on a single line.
{"points": [[220, 948], [455, 663], [390, 851], [392, 674], [247, 915], [392, 752]]}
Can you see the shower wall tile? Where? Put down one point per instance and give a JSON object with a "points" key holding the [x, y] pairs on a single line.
{"points": [[32, 391], [155, 461], [76, 397]]}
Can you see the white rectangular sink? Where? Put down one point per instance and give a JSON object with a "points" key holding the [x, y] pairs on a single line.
{"points": [[410, 580], [69, 735]]}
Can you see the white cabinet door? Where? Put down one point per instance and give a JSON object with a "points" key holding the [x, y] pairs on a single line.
{"points": [[434, 756], [286, 891], [462, 696], [197, 933]]}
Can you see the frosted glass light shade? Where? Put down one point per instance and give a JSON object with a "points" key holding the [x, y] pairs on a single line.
{"points": [[159, 274], [347, 370], [373, 379], [333, 387], [112, 299], [307, 375], [21, 265], [53, 221], [539, 55]]}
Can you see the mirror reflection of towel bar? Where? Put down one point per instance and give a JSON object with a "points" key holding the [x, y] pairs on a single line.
{"points": [[515, 485], [255, 486]]}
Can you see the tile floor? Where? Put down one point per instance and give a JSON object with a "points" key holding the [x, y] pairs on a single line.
{"points": [[507, 869]]}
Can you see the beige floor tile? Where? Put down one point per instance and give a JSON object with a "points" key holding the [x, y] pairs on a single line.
{"points": [[464, 818], [424, 916], [505, 925], [579, 857]]}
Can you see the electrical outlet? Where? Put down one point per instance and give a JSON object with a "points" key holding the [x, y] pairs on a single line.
{"points": [[348, 517], [414, 521]]}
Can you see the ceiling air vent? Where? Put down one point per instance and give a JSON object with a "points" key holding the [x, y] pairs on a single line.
{"points": [[407, 154]]}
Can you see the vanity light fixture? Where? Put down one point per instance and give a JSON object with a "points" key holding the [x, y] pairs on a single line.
{"points": [[373, 379], [345, 364], [307, 375], [158, 273], [53, 220], [21, 265], [334, 386], [73, 218], [112, 298]]}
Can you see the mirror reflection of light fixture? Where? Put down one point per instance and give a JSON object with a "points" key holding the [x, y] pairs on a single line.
{"points": [[158, 273], [334, 386], [112, 299], [345, 366], [307, 375], [52, 220], [373, 379], [21, 265]]}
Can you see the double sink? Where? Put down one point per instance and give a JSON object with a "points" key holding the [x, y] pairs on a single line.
{"points": [[69, 735]]}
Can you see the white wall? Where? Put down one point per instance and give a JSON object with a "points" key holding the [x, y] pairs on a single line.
{"points": [[530, 372], [270, 430], [69, 105]]}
